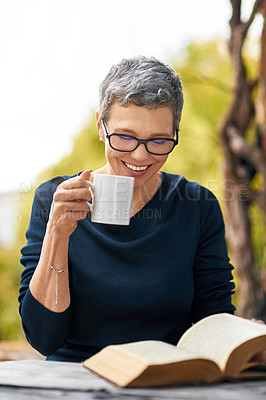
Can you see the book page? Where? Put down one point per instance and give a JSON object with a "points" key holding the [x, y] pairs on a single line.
{"points": [[215, 337], [155, 352], [151, 363]]}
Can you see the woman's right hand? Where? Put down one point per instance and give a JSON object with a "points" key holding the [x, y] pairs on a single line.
{"points": [[69, 205]]}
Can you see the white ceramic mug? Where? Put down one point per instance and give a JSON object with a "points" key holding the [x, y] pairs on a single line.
{"points": [[112, 199]]}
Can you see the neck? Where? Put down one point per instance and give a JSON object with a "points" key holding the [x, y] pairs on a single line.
{"points": [[144, 192]]}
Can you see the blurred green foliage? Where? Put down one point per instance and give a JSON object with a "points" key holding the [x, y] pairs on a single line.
{"points": [[10, 326], [206, 73]]}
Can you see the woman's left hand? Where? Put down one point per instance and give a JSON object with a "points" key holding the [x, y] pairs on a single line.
{"points": [[261, 356]]}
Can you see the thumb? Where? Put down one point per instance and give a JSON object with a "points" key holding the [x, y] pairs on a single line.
{"points": [[86, 174]]}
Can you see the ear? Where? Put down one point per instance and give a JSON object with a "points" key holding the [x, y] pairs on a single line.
{"points": [[99, 127], [98, 122]]}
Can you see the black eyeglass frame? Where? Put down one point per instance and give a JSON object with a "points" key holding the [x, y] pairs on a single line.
{"points": [[140, 141]]}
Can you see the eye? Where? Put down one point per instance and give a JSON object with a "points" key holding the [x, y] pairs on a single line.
{"points": [[125, 138], [158, 142]]}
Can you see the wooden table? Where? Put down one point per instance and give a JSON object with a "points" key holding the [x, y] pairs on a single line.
{"points": [[31, 379]]}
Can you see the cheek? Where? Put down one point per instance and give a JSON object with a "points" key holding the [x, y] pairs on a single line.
{"points": [[160, 159], [111, 154]]}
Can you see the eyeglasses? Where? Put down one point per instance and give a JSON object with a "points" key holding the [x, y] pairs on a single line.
{"points": [[126, 143]]}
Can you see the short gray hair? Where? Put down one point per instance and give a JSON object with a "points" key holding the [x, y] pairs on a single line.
{"points": [[142, 81]]}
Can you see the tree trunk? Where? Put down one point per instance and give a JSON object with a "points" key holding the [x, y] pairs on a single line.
{"points": [[242, 163], [261, 117]]}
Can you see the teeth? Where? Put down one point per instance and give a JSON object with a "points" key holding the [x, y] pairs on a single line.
{"points": [[134, 168]]}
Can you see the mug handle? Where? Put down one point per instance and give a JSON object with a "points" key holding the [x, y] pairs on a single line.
{"points": [[93, 189]]}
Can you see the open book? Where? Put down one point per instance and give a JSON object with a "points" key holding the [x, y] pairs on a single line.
{"points": [[218, 347]]}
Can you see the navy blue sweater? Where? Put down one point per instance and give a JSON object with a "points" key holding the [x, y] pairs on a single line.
{"points": [[149, 280]]}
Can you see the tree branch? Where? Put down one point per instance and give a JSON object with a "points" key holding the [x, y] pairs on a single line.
{"points": [[255, 9], [259, 198], [241, 149], [239, 30], [236, 6], [236, 15]]}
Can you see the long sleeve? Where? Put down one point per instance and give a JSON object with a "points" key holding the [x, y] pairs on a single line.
{"points": [[212, 270], [45, 330]]}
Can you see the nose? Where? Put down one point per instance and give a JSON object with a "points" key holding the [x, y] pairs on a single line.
{"points": [[140, 153]]}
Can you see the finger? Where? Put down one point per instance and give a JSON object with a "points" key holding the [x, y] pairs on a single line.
{"points": [[86, 174], [259, 321], [61, 213], [76, 182], [76, 194], [68, 206]]}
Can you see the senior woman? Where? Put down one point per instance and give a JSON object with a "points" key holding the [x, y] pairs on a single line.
{"points": [[87, 285]]}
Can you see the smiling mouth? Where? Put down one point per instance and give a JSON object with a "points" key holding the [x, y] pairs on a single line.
{"points": [[136, 168]]}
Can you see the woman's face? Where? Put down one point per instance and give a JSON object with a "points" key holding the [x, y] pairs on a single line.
{"points": [[143, 123]]}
